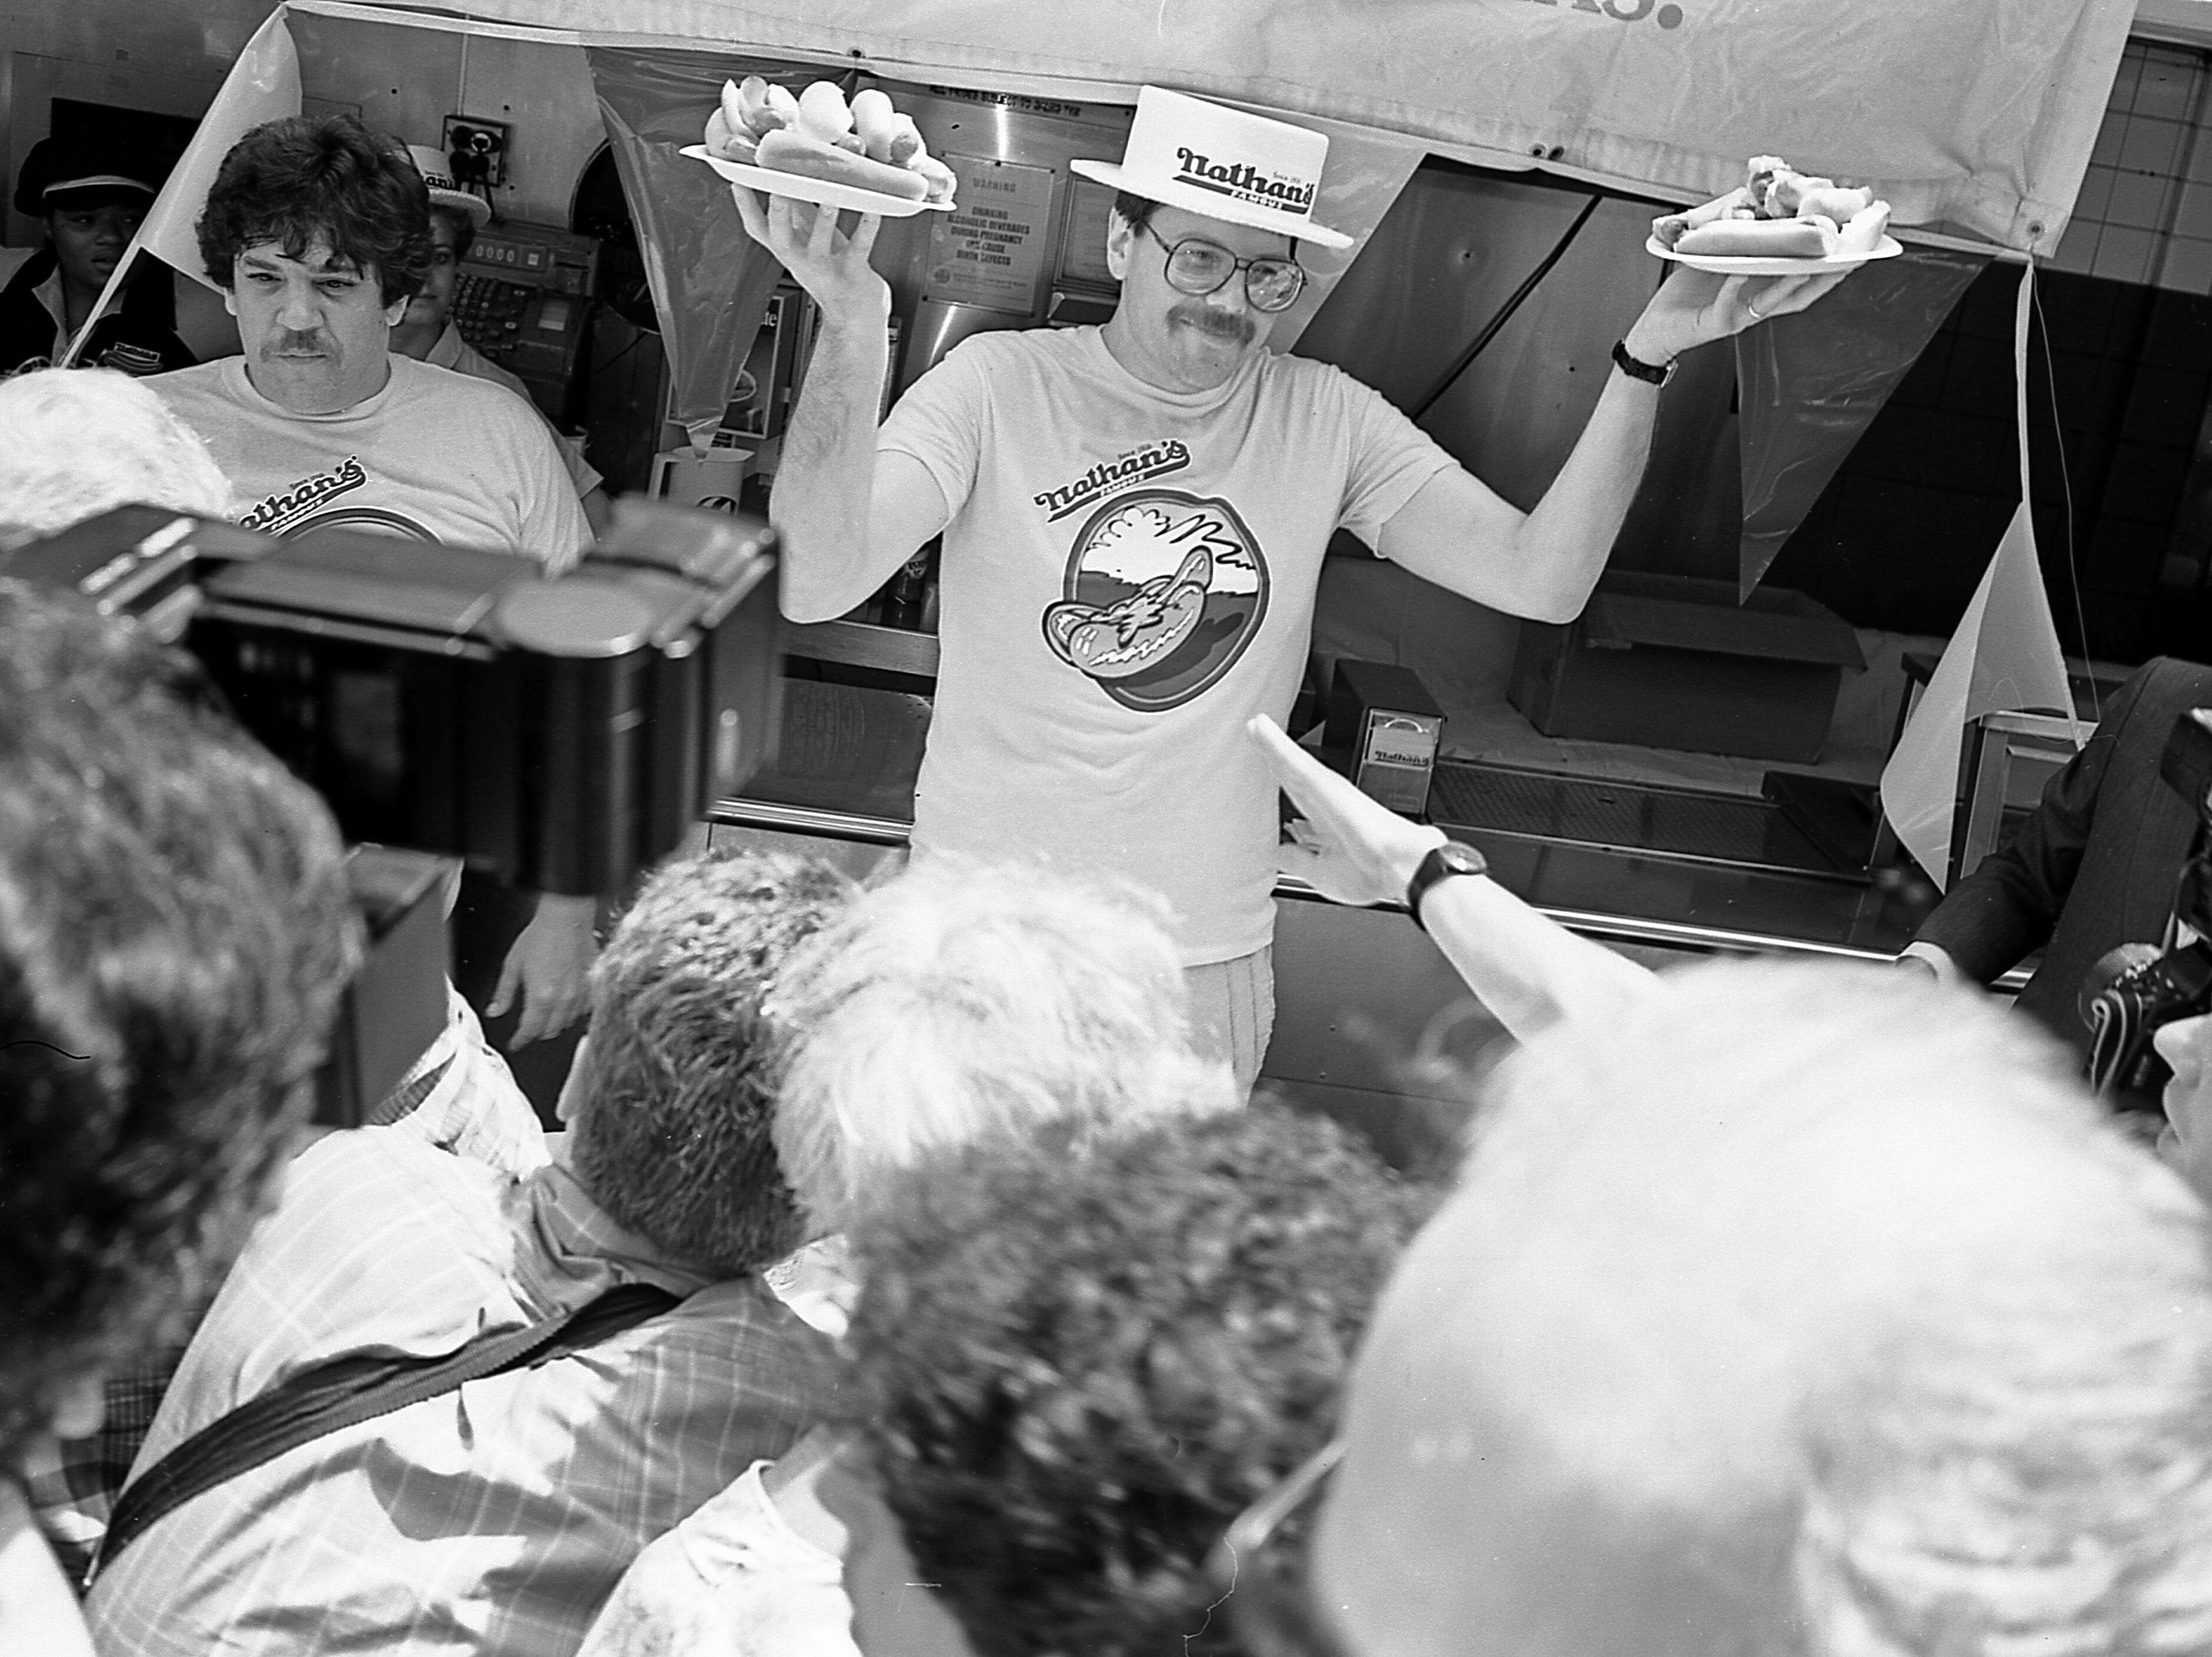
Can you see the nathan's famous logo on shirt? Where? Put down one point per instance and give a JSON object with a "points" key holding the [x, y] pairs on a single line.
{"points": [[290, 510], [1243, 180], [1131, 466], [1163, 591], [274, 513]]}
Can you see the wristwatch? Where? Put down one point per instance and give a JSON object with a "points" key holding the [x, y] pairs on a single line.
{"points": [[1649, 373], [1441, 864]]}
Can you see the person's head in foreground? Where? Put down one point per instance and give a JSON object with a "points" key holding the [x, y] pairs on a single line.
{"points": [[1074, 1367], [1210, 206], [318, 231], [78, 441], [174, 934], [670, 1102], [1805, 1312], [961, 999]]}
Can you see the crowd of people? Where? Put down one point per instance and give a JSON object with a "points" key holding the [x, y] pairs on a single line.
{"points": [[913, 1271]]}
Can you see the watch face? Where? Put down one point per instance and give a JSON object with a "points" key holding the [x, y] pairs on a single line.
{"points": [[1461, 859]]}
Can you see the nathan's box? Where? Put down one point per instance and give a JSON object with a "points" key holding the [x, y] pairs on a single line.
{"points": [[1671, 661]]}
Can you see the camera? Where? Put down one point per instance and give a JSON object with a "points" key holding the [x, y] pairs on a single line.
{"points": [[2135, 990]]}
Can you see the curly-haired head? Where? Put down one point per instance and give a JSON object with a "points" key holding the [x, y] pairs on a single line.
{"points": [[962, 998], [174, 934], [328, 178], [1074, 1369], [1802, 1311], [675, 1088]]}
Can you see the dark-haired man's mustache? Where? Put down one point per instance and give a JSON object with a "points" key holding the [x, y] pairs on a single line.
{"points": [[295, 340]]}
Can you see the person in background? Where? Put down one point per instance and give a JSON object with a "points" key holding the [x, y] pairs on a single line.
{"points": [[174, 936], [952, 1004], [1799, 1309], [2094, 866], [496, 1518], [318, 231], [90, 192], [429, 334]]}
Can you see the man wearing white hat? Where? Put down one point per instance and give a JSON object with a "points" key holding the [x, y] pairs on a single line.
{"points": [[428, 333], [1134, 518]]}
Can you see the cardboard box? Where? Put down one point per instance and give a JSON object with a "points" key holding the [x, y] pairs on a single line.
{"points": [[1384, 718], [1670, 661]]}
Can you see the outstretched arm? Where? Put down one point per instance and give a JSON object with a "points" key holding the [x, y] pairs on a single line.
{"points": [[1542, 564], [848, 517], [1529, 971]]}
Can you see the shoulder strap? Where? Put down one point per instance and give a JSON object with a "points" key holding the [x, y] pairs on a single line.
{"points": [[347, 1391]]}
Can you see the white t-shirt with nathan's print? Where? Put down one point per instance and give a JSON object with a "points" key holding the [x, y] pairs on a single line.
{"points": [[435, 456], [1128, 576]]}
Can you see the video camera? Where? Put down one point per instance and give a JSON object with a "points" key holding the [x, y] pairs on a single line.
{"points": [[560, 735], [2136, 989]]}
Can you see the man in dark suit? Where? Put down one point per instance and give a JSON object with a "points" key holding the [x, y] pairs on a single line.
{"points": [[2094, 866]]}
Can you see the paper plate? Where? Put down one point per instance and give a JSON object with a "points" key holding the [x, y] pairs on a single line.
{"points": [[823, 192], [1749, 265]]}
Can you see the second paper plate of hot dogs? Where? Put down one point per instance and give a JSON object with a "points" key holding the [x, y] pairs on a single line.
{"points": [[1779, 222]]}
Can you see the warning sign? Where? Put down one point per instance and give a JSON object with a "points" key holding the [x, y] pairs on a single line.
{"points": [[990, 250]]}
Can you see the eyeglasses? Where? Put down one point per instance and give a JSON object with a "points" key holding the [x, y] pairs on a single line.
{"points": [[1196, 266], [1271, 1609]]}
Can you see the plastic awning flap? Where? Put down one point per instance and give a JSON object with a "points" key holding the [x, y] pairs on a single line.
{"points": [[1971, 118]]}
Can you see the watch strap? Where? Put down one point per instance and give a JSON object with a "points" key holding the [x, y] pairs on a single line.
{"points": [[1442, 862], [1651, 374]]}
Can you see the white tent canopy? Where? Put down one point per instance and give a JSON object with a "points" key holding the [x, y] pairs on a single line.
{"points": [[1973, 119]]}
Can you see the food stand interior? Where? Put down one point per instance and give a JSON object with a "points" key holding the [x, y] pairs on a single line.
{"points": [[1484, 300]]}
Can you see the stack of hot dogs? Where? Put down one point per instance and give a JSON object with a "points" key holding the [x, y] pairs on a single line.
{"points": [[1779, 212], [866, 144]]}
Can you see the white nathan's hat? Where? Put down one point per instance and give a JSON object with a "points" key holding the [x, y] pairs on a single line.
{"points": [[1207, 158], [438, 172]]}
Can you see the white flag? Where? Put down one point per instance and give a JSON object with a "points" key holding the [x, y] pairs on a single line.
{"points": [[263, 85], [2004, 656]]}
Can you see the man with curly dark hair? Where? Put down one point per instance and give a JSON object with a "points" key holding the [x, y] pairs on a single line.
{"points": [[174, 934], [318, 231], [1073, 1371], [496, 1518]]}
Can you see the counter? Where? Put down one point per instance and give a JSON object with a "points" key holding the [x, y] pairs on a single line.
{"points": [[1372, 1025]]}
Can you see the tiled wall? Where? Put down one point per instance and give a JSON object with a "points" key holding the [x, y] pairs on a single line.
{"points": [[2145, 211]]}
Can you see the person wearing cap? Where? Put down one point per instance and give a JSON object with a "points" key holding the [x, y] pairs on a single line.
{"points": [[429, 334], [90, 194], [1134, 517]]}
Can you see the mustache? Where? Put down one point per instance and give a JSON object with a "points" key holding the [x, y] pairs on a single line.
{"points": [[1232, 326], [290, 339]]}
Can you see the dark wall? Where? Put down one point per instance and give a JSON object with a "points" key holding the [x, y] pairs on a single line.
{"points": [[1902, 532]]}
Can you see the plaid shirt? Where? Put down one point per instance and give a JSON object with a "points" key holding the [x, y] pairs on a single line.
{"points": [[494, 1519], [458, 1096]]}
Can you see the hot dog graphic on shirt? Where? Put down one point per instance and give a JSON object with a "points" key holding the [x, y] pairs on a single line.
{"points": [[1163, 592]]}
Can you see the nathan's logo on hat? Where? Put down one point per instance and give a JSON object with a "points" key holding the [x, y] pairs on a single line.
{"points": [[1243, 181], [1225, 163]]}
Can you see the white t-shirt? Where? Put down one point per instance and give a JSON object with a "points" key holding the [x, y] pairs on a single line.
{"points": [[453, 352], [435, 456], [1128, 577]]}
